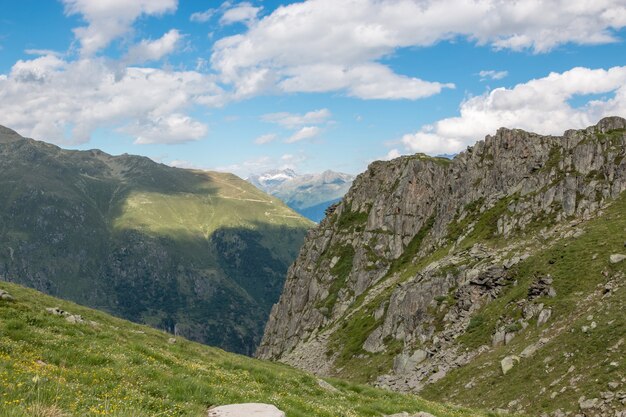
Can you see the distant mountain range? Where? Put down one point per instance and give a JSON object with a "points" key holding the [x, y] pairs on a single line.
{"points": [[201, 254], [308, 194]]}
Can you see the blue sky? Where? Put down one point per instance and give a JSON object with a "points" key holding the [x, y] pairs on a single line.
{"points": [[313, 85]]}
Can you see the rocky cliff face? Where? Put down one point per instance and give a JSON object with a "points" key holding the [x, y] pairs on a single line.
{"points": [[430, 266]]}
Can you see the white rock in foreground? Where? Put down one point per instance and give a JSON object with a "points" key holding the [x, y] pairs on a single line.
{"points": [[246, 410]]}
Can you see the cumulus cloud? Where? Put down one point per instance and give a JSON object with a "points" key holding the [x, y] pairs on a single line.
{"points": [[307, 132], [492, 75], [203, 17], [264, 163], [149, 50], [294, 120], [286, 50], [243, 12], [173, 128], [263, 139], [65, 101], [110, 19], [541, 105]]}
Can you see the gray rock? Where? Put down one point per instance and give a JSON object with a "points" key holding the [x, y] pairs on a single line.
{"points": [[246, 410], [57, 311], [587, 404], [5, 296], [498, 338], [508, 362], [544, 316], [74, 319], [171, 340], [530, 350], [613, 385], [616, 258], [325, 385]]}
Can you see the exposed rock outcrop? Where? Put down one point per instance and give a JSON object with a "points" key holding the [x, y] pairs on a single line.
{"points": [[397, 272]]}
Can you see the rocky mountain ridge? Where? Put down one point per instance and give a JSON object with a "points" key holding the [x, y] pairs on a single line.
{"points": [[431, 266], [196, 253]]}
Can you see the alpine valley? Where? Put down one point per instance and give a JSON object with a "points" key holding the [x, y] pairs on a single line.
{"points": [[494, 280], [199, 254]]}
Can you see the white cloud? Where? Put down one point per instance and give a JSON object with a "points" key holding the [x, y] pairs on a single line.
{"points": [[41, 52], [540, 105], [307, 132], [492, 75], [243, 12], [326, 45], [173, 128], [263, 139], [203, 17], [64, 102], [260, 164], [392, 154], [148, 50], [110, 19], [293, 120]]}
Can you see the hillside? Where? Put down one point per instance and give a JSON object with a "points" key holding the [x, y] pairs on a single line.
{"points": [[494, 280], [308, 194], [62, 366], [200, 254]]}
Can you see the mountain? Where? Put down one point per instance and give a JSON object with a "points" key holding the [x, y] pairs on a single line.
{"points": [[200, 254], [308, 194], [496, 279], [270, 180], [58, 359]]}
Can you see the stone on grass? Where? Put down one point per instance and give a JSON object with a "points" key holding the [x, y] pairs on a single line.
{"points": [[246, 410], [616, 258], [544, 316], [74, 319], [326, 386], [508, 362], [5, 296], [587, 404]]}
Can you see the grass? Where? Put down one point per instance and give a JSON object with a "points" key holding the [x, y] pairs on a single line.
{"points": [[352, 219], [412, 248], [51, 368], [340, 270], [578, 266]]}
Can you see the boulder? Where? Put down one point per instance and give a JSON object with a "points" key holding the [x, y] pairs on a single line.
{"points": [[57, 311], [246, 410], [587, 404], [74, 319], [616, 258], [498, 338], [325, 385], [544, 316], [5, 296], [508, 362]]}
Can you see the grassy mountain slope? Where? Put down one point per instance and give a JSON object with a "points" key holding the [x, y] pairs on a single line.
{"points": [[201, 254], [584, 344], [50, 367]]}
